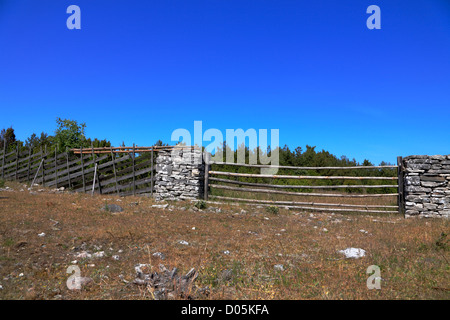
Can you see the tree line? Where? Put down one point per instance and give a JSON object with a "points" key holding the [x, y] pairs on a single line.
{"points": [[67, 135]]}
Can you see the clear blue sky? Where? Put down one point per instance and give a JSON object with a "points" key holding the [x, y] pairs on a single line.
{"points": [[137, 70]]}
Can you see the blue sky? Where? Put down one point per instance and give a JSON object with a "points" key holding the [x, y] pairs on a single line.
{"points": [[137, 70]]}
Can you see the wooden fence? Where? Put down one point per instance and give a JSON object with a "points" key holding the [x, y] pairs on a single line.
{"points": [[122, 170], [237, 183]]}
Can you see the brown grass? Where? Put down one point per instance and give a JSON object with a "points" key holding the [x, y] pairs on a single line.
{"points": [[411, 253]]}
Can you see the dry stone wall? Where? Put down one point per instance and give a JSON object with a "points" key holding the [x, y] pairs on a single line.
{"points": [[427, 186], [179, 174]]}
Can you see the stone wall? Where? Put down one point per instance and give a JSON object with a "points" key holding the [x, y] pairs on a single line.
{"points": [[179, 175], [427, 186]]}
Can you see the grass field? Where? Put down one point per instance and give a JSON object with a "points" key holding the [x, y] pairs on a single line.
{"points": [[413, 254]]}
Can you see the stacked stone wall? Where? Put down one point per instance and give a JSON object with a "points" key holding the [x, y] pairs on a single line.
{"points": [[179, 174], [427, 186]]}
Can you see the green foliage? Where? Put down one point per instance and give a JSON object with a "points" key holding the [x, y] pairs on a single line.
{"points": [[442, 242], [8, 136], [2, 183], [201, 204], [159, 143], [44, 141], [272, 209], [69, 134], [9, 242]]}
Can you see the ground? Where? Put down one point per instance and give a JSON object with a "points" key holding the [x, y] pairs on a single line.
{"points": [[239, 252]]}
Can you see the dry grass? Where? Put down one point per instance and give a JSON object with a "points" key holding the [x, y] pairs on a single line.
{"points": [[411, 253]]}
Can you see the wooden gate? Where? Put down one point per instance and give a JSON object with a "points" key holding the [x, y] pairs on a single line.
{"points": [[378, 190]]}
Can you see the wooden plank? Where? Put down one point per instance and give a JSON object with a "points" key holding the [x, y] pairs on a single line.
{"points": [[293, 186], [316, 209], [17, 161], [29, 164], [32, 183], [82, 170], [51, 169], [78, 173], [151, 186], [114, 170], [304, 193], [129, 168], [134, 176], [93, 181], [298, 168], [129, 176], [56, 170], [233, 174], [95, 171], [99, 183], [4, 157], [12, 153], [68, 167], [43, 169], [401, 189], [76, 168], [206, 181], [303, 203]]}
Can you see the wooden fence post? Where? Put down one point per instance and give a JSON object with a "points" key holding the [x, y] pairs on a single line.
{"points": [[114, 169], [151, 175], [206, 182], [82, 170], [3, 159], [401, 187], [93, 181], [29, 164], [95, 170], [134, 172], [43, 165], [17, 161], [37, 172], [68, 170], [56, 169]]}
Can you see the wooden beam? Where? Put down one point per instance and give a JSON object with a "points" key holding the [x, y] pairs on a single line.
{"points": [[56, 168], [401, 189], [68, 170], [206, 179], [316, 209], [151, 175], [17, 161], [293, 186], [298, 168], [82, 170], [233, 174], [29, 164], [304, 193], [134, 176], [303, 203], [4, 157], [114, 170]]}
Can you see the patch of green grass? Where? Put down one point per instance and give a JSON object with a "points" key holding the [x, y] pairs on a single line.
{"points": [[273, 209], [106, 206], [9, 242], [200, 204], [442, 242]]}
